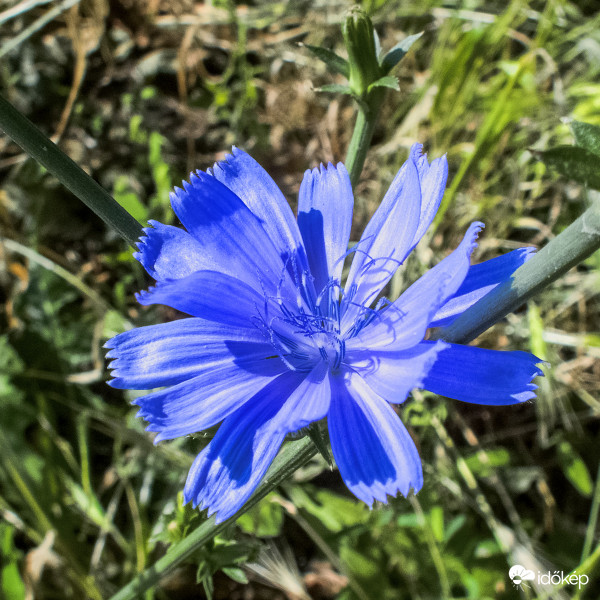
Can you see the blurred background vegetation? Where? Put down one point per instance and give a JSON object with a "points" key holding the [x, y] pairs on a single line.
{"points": [[140, 92]]}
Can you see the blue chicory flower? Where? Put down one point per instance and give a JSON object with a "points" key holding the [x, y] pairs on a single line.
{"points": [[275, 343]]}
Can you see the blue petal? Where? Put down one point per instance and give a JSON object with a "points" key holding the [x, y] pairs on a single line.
{"points": [[227, 471], [168, 252], [232, 237], [375, 454], [386, 240], [325, 207], [433, 183], [482, 376], [250, 182], [392, 375], [220, 388], [403, 324], [309, 402], [480, 280], [169, 353], [211, 295]]}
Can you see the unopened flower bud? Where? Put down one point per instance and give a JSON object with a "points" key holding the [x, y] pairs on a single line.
{"points": [[359, 37]]}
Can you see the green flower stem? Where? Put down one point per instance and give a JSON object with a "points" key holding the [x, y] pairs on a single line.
{"points": [[573, 245], [366, 119], [38, 146], [292, 457]]}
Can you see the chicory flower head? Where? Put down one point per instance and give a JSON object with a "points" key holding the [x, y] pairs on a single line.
{"points": [[274, 341]]}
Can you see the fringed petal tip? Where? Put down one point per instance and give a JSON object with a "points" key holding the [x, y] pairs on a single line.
{"points": [[144, 296], [198, 178], [116, 381], [202, 504], [162, 435], [388, 492], [473, 232], [226, 162], [481, 376], [536, 371], [147, 232], [375, 454], [416, 150], [534, 362], [419, 157], [324, 169], [168, 252], [148, 245]]}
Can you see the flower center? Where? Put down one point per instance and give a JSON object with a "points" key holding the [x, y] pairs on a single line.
{"points": [[331, 348], [303, 338]]}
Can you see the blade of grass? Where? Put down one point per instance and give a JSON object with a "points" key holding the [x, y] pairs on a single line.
{"points": [[61, 272], [592, 521], [75, 179]]}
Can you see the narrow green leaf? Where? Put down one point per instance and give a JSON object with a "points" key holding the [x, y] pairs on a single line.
{"points": [[236, 574], [436, 522], [536, 331], [397, 53], [388, 81], [454, 526], [336, 63], [335, 88], [575, 469], [587, 136], [577, 164], [202, 572], [483, 463], [209, 587]]}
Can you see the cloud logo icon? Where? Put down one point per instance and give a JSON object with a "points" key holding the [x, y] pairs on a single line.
{"points": [[519, 574]]}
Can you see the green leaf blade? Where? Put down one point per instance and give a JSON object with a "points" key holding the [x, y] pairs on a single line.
{"points": [[335, 88], [398, 52], [575, 163], [587, 136], [336, 63], [389, 81]]}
